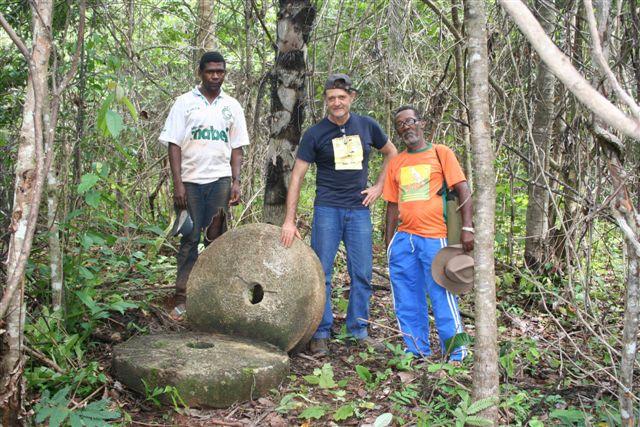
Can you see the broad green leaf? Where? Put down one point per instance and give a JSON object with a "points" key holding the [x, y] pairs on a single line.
{"points": [[481, 405], [57, 417], [93, 198], [344, 412], [312, 379], [364, 373], [316, 412], [132, 110], [474, 420], [383, 420], [75, 420], [87, 182], [85, 272], [458, 340], [88, 301], [326, 377], [114, 123], [100, 410], [119, 93], [568, 415]]}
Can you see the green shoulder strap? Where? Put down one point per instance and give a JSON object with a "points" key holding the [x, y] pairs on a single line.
{"points": [[443, 191]]}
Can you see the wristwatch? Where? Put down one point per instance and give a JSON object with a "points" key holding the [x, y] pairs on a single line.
{"points": [[469, 229]]}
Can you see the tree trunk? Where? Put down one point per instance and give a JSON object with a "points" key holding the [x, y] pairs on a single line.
{"points": [[55, 248], [623, 211], [460, 90], [295, 19], [485, 369], [27, 194], [535, 253], [206, 36]]}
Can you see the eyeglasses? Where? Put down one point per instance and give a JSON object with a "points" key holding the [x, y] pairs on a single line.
{"points": [[406, 123]]}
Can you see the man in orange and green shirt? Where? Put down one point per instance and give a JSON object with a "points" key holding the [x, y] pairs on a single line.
{"points": [[412, 184]]}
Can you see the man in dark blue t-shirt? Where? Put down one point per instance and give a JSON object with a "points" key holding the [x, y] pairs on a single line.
{"points": [[340, 146]]}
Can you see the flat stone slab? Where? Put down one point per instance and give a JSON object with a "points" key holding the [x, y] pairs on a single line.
{"points": [[247, 284], [208, 370]]}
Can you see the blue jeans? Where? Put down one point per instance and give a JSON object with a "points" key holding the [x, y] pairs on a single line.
{"points": [[203, 201], [410, 259], [352, 226]]}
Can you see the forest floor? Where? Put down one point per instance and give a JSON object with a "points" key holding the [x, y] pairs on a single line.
{"points": [[363, 387]]}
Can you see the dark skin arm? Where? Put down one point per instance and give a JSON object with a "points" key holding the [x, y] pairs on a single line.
{"points": [[392, 222], [236, 165], [466, 211], [179, 191]]}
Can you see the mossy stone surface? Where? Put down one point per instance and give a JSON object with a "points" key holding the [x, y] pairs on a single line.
{"points": [[247, 284], [208, 370]]}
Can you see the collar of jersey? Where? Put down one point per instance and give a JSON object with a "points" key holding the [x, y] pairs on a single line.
{"points": [[197, 93], [428, 147]]}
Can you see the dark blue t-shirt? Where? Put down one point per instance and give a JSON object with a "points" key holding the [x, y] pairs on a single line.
{"points": [[341, 178]]}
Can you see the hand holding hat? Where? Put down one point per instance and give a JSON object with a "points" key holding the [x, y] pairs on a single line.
{"points": [[452, 268]]}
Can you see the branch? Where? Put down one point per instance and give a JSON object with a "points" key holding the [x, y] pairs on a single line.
{"points": [[597, 53], [76, 56], [445, 20], [16, 39], [264, 27], [562, 68]]}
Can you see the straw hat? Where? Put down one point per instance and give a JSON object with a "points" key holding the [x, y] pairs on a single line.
{"points": [[452, 269]]}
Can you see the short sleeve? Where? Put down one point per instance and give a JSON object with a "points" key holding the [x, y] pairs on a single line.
{"points": [[452, 171], [378, 137], [306, 148], [174, 126], [390, 189], [238, 134]]}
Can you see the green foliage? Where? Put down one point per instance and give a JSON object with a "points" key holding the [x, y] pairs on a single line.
{"points": [[344, 412], [322, 377], [313, 412], [466, 412], [383, 420], [401, 360], [56, 411], [153, 395], [458, 340]]}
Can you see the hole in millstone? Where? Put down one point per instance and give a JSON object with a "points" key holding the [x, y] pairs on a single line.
{"points": [[256, 293], [200, 345]]}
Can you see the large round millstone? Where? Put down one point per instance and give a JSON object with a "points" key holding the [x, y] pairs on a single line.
{"points": [[247, 284], [209, 370]]}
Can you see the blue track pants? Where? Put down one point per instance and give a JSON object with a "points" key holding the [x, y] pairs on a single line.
{"points": [[410, 258]]}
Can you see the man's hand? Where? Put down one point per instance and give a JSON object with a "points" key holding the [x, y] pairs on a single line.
{"points": [[466, 239], [372, 194], [289, 232], [235, 193], [180, 195]]}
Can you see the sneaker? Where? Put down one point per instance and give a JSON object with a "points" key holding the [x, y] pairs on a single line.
{"points": [[319, 346], [370, 342]]}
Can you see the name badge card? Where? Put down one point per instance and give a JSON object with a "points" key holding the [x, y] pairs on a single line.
{"points": [[347, 151]]}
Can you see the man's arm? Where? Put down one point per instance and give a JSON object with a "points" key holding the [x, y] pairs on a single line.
{"points": [[236, 166], [289, 229], [179, 191], [392, 222], [372, 193], [466, 211]]}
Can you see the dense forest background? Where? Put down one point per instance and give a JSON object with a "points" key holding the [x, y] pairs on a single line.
{"points": [[566, 258]]}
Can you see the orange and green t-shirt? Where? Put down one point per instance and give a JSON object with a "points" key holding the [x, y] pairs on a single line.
{"points": [[413, 180]]}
